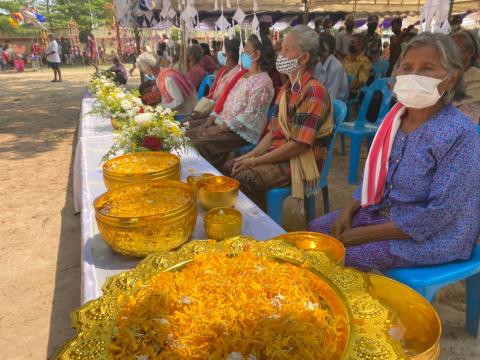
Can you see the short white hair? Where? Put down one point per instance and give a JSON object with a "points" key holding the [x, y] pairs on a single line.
{"points": [[147, 59], [307, 40]]}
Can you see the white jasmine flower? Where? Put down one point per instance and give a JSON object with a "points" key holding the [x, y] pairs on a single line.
{"points": [[235, 355], [185, 300], [310, 306]]}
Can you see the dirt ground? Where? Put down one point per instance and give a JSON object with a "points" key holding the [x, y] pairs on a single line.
{"points": [[40, 235]]}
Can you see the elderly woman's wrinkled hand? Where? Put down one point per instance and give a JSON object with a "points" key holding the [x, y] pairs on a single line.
{"points": [[353, 237], [241, 165], [342, 224]]}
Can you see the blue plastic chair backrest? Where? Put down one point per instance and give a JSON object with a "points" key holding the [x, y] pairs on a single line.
{"points": [[207, 81], [271, 109], [478, 129], [349, 79], [380, 85], [339, 115], [380, 68]]}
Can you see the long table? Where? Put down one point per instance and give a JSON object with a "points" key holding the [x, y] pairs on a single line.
{"points": [[98, 261]]}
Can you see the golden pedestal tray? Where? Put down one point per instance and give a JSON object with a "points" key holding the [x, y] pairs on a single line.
{"points": [[371, 315]]}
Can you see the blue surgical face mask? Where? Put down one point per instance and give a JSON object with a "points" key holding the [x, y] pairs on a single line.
{"points": [[222, 59], [246, 61], [150, 77]]}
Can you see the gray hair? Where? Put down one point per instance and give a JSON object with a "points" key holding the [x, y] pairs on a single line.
{"points": [[196, 52], [471, 42], [147, 59], [307, 41], [449, 58]]}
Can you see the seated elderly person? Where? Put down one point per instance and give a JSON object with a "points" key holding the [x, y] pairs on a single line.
{"points": [[293, 150], [195, 72], [244, 116], [207, 62], [120, 74], [173, 89], [468, 43], [329, 71], [419, 202], [357, 64], [225, 80]]}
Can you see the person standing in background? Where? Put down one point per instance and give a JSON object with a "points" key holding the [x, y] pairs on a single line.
{"points": [[373, 49], [344, 38], [53, 58], [92, 50], [36, 55], [396, 41]]}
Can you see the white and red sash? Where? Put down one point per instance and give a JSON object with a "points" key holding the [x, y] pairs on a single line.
{"points": [[376, 167]]}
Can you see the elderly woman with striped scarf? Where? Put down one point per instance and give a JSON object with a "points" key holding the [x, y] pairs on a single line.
{"points": [[419, 201]]}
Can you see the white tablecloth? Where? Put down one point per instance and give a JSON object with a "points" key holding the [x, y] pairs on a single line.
{"points": [[98, 261]]}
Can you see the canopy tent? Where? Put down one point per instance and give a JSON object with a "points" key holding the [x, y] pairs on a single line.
{"points": [[147, 13]]}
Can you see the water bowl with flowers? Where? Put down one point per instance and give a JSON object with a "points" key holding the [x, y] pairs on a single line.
{"points": [[147, 218], [140, 167]]}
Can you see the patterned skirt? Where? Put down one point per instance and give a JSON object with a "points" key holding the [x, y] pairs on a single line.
{"points": [[374, 255]]}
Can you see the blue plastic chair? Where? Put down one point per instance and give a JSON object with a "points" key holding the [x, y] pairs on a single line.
{"points": [[249, 147], [276, 196], [478, 129], [362, 129], [207, 81], [427, 280], [380, 68]]}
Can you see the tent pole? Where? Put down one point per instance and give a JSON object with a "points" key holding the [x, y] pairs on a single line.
{"points": [[450, 10], [183, 50], [117, 31], [305, 13]]}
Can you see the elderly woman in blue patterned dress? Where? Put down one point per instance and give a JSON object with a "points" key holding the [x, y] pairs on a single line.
{"points": [[419, 200]]}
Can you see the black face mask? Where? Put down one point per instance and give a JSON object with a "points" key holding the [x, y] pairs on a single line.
{"points": [[349, 28], [396, 31], [352, 49], [372, 28]]}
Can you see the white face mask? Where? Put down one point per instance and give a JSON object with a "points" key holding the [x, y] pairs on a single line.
{"points": [[416, 91], [285, 65]]}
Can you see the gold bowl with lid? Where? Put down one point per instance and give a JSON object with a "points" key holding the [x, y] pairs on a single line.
{"points": [[140, 167], [147, 218], [223, 223]]}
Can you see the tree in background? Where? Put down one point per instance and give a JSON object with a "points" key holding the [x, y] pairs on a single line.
{"points": [[88, 14]]}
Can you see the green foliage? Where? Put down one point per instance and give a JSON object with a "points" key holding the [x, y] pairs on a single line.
{"points": [[88, 14]]}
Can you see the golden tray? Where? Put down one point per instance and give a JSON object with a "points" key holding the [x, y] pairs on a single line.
{"points": [[161, 165], [140, 235], [369, 317]]}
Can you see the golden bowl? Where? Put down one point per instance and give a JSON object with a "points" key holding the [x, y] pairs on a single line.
{"points": [[141, 167], [217, 191], [223, 223], [147, 218], [194, 179], [418, 327], [316, 241]]}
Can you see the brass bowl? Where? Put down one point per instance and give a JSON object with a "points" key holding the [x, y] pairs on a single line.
{"points": [[418, 326], [217, 191], [223, 223], [194, 179], [147, 218], [141, 167], [316, 241]]}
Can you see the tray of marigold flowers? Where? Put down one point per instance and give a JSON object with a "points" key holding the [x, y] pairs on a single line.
{"points": [[234, 299]]}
